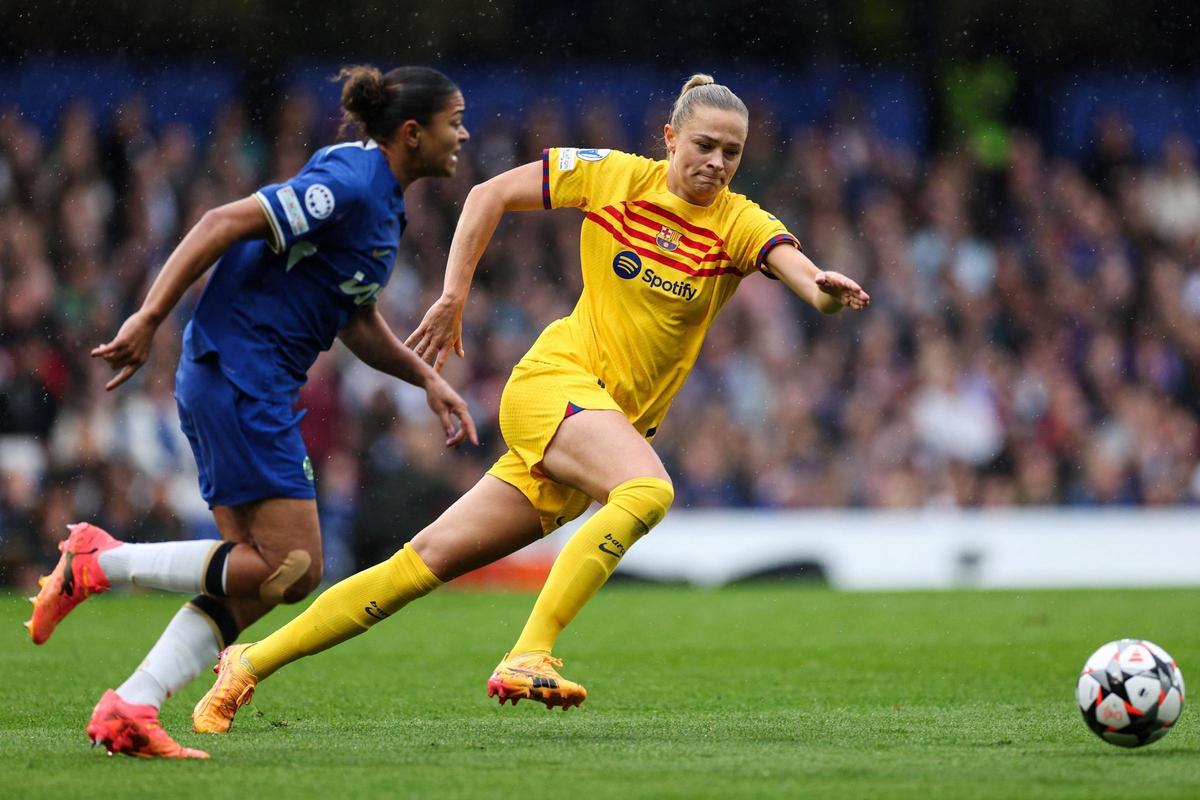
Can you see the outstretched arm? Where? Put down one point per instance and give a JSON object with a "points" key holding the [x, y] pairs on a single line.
{"points": [[371, 339], [828, 292], [216, 231], [519, 189]]}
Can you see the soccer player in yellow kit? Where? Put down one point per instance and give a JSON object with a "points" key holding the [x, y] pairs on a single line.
{"points": [[663, 247]]}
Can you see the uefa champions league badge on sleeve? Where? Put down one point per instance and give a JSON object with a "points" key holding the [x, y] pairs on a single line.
{"points": [[592, 154], [318, 199]]}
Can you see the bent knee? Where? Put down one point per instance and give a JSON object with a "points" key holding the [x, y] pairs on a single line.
{"points": [[646, 498], [294, 578], [305, 586]]}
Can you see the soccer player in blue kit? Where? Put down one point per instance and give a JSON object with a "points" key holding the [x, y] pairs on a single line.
{"points": [[297, 264]]}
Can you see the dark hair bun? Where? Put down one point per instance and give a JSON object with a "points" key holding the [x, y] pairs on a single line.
{"points": [[364, 95], [374, 105]]}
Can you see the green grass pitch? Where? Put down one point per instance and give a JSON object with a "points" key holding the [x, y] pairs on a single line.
{"points": [[772, 690]]}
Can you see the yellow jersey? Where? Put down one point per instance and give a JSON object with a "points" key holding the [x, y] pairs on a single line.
{"points": [[656, 271]]}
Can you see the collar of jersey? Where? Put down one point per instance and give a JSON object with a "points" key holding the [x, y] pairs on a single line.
{"points": [[374, 145]]}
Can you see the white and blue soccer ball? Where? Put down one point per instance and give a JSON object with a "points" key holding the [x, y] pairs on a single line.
{"points": [[1130, 692]]}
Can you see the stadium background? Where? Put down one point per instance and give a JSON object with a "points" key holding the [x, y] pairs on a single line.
{"points": [[1017, 188]]}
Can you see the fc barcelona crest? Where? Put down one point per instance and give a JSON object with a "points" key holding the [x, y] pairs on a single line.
{"points": [[668, 239]]}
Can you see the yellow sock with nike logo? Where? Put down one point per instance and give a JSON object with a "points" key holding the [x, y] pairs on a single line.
{"points": [[590, 557], [345, 610]]}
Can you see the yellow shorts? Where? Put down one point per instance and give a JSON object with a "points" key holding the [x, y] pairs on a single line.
{"points": [[536, 399]]}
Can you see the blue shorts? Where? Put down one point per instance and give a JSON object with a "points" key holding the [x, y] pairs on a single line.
{"points": [[247, 449]]}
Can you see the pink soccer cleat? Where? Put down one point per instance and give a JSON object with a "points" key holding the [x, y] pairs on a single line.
{"points": [[76, 576], [133, 730]]}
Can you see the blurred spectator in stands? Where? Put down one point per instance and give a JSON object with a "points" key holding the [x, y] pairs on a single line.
{"points": [[1172, 191], [1112, 156]]}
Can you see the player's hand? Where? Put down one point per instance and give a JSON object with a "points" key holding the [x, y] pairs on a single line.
{"points": [[438, 334], [842, 289], [130, 349], [449, 407]]}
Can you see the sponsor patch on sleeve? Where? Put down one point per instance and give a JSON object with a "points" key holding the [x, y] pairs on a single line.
{"points": [[566, 159], [291, 210], [594, 154]]}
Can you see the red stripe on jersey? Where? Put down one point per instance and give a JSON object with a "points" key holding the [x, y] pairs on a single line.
{"points": [[546, 178], [687, 226], [659, 257], [702, 249], [629, 232], [645, 237]]}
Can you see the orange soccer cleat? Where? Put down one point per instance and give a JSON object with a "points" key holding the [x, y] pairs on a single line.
{"points": [[533, 676], [133, 730], [76, 576], [234, 688]]}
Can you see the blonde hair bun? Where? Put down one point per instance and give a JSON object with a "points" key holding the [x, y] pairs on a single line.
{"points": [[699, 79], [701, 90]]}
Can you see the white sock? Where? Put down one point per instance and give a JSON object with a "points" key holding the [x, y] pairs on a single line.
{"points": [[173, 566], [186, 648]]}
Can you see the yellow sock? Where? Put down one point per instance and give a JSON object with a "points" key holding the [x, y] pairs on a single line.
{"points": [[345, 610], [585, 563]]}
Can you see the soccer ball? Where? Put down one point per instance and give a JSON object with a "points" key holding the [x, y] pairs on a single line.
{"points": [[1130, 692]]}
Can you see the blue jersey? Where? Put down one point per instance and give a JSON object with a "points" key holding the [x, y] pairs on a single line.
{"points": [[270, 307]]}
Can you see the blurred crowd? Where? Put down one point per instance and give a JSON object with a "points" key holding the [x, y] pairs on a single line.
{"points": [[1032, 339]]}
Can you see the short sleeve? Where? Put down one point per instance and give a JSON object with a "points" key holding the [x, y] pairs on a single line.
{"points": [[584, 178], [755, 234], [325, 191]]}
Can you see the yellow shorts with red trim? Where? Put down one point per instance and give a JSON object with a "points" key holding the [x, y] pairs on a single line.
{"points": [[536, 399]]}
